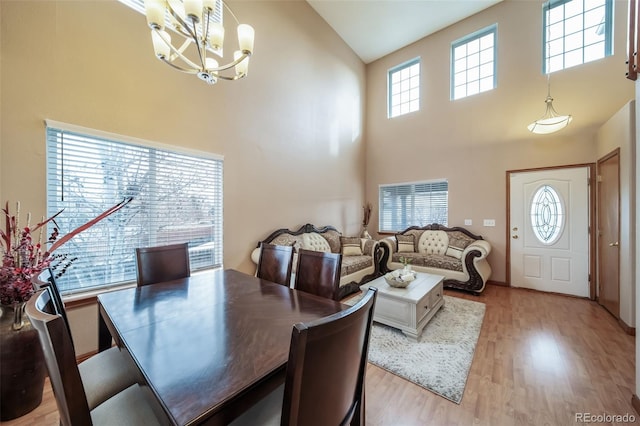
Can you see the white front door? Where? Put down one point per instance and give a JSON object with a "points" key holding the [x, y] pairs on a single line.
{"points": [[549, 220]]}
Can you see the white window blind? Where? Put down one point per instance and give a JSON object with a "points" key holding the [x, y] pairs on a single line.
{"points": [[177, 197], [413, 204]]}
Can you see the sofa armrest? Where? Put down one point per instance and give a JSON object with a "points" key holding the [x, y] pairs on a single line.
{"points": [[369, 247], [390, 242], [475, 266], [255, 255], [387, 248], [482, 246]]}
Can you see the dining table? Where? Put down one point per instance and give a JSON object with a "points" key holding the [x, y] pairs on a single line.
{"points": [[211, 345]]}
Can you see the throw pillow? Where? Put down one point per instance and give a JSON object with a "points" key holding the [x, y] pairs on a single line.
{"points": [[405, 243], [351, 246], [457, 243]]}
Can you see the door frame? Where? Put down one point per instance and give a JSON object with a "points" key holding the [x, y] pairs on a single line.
{"points": [[615, 152], [592, 216]]}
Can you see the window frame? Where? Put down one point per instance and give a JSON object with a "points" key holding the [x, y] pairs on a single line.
{"points": [[163, 161], [397, 69], [411, 194], [608, 31], [491, 29]]}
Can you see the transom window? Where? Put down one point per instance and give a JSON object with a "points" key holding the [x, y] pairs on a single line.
{"points": [[576, 32], [177, 198], [547, 214], [413, 204], [404, 88], [473, 64]]}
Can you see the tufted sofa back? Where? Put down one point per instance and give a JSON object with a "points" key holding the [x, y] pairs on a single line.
{"points": [[433, 242]]}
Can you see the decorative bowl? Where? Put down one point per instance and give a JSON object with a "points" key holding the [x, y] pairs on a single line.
{"points": [[399, 278]]}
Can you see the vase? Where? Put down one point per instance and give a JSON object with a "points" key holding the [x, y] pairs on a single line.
{"points": [[365, 233], [22, 367]]}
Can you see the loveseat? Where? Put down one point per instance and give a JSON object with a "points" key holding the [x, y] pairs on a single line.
{"points": [[455, 253], [360, 256]]}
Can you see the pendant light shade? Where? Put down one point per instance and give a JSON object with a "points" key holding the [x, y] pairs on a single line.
{"points": [[551, 121]]}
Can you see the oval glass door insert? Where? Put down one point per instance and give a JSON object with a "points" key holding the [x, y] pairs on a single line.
{"points": [[547, 214]]}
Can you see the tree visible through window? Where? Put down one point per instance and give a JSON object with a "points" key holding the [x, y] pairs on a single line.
{"points": [[413, 204], [177, 198], [576, 32]]}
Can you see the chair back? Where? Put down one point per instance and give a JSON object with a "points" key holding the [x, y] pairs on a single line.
{"points": [[326, 368], [60, 358], [46, 279], [275, 263], [162, 263], [318, 273]]}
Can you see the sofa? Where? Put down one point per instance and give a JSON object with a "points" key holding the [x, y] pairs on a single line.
{"points": [[455, 253], [360, 256]]}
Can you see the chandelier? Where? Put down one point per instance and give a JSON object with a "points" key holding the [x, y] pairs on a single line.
{"points": [[199, 25]]}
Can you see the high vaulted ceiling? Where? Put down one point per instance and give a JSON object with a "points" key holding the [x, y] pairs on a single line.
{"points": [[375, 28]]}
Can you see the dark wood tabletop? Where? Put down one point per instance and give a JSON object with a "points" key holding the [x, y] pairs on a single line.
{"points": [[210, 345]]}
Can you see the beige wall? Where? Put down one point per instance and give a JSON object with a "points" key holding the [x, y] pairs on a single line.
{"points": [[619, 132], [291, 133], [473, 141]]}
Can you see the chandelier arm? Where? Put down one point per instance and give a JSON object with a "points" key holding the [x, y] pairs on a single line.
{"points": [[245, 54], [201, 53], [179, 68], [235, 77], [177, 53], [183, 24], [224, 6]]}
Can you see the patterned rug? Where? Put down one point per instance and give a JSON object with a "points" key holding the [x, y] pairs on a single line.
{"points": [[441, 359]]}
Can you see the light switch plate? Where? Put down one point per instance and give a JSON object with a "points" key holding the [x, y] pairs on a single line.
{"points": [[468, 222], [489, 222]]}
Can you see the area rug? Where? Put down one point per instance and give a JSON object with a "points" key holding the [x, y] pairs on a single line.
{"points": [[441, 359]]}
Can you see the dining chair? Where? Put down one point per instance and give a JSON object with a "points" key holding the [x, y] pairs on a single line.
{"points": [[325, 376], [275, 263], [134, 405], [105, 373], [162, 263], [318, 273]]}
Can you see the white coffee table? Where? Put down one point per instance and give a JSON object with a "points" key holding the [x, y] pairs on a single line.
{"points": [[408, 309]]}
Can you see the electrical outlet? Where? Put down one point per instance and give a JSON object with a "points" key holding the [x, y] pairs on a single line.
{"points": [[489, 222], [468, 222]]}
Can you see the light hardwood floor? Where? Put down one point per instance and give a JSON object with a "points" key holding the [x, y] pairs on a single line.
{"points": [[540, 360]]}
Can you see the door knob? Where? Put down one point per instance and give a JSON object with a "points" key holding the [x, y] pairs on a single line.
{"points": [[614, 244], [515, 237]]}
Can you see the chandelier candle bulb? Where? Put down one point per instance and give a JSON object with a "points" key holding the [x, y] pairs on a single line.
{"points": [[193, 9], [243, 66], [245, 37], [217, 36], [160, 47], [211, 64], [155, 13], [210, 4]]}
